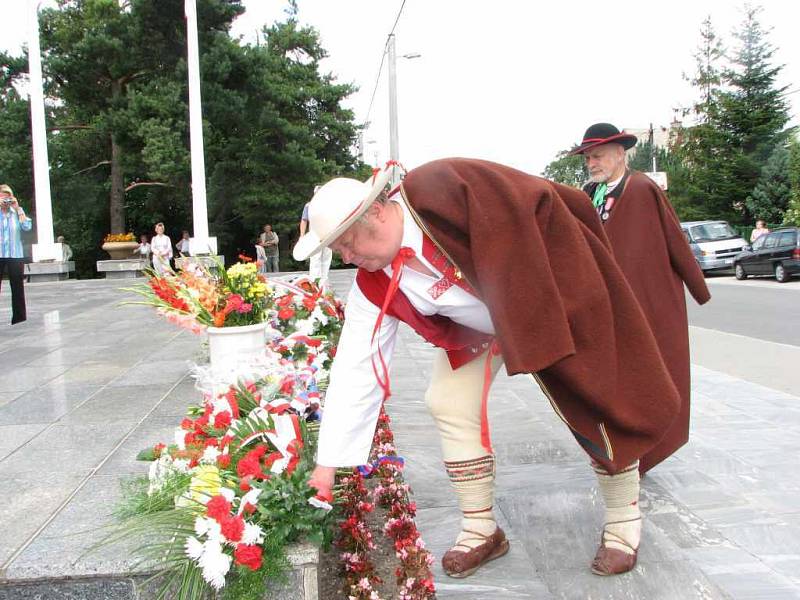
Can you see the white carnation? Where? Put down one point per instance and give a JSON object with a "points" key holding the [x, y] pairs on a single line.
{"points": [[215, 564], [194, 547], [253, 534], [210, 455]]}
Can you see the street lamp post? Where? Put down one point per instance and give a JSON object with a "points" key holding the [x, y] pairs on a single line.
{"points": [[394, 137]]}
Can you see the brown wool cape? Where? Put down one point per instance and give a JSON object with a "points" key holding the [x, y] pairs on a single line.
{"points": [[536, 254], [652, 251]]}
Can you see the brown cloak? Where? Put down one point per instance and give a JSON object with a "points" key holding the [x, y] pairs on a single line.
{"points": [[536, 254], [652, 251]]}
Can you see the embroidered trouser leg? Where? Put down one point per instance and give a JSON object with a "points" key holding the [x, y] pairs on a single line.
{"points": [[454, 400]]}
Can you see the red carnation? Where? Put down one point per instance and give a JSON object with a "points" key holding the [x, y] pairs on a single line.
{"points": [[249, 465], [268, 462], [309, 302], [232, 528], [224, 461], [187, 424], [285, 301], [286, 313], [244, 484], [222, 420], [248, 556], [218, 508]]}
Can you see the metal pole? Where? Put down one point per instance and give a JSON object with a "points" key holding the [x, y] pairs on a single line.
{"points": [[653, 147], [394, 138], [199, 208], [44, 249]]}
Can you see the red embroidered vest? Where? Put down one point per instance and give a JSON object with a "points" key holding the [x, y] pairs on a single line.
{"points": [[461, 343]]}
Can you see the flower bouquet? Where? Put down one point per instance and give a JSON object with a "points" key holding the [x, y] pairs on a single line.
{"points": [[119, 237], [225, 497], [196, 299]]}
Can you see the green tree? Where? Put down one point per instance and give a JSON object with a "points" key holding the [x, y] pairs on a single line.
{"points": [[753, 110], [15, 151], [570, 170], [702, 150], [771, 194], [792, 215]]}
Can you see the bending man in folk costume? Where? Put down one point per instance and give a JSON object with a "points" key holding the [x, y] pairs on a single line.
{"points": [[491, 265], [652, 251]]}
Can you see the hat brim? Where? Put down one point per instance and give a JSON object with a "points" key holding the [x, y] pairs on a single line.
{"points": [[310, 243], [626, 140]]}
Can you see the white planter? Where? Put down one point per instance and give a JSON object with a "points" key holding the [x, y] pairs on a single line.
{"points": [[230, 347]]}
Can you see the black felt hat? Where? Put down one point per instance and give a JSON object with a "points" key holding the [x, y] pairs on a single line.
{"points": [[604, 133]]}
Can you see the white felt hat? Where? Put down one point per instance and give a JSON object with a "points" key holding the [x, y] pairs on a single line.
{"points": [[334, 208]]}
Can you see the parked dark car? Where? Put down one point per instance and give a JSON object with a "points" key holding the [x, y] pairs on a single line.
{"points": [[776, 253]]}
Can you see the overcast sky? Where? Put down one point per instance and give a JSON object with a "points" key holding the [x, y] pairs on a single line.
{"points": [[513, 81]]}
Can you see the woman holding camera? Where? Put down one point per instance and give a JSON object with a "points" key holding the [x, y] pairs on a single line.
{"points": [[13, 222]]}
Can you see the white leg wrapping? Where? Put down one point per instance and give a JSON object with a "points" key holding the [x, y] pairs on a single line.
{"points": [[623, 526], [454, 400]]}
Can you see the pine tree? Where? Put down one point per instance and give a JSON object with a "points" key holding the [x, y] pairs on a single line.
{"points": [[702, 150], [792, 215], [771, 195], [753, 111]]}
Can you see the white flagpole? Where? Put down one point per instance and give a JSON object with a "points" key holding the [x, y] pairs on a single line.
{"points": [[200, 243], [45, 249]]}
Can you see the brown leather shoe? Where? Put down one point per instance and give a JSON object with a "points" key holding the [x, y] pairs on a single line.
{"points": [[611, 561], [463, 563]]}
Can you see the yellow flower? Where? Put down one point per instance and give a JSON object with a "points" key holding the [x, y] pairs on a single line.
{"points": [[205, 484]]}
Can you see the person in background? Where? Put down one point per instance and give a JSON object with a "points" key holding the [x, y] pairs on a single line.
{"points": [[319, 263], [66, 251], [13, 221], [161, 248], [651, 249], [142, 251], [268, 240], [261, 257], [183, 244], [761, 229]]}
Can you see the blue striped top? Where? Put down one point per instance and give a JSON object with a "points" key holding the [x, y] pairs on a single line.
{"points": [[10, 236]]}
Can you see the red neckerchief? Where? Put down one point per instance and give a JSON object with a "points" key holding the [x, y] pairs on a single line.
{"points": [[398, 261]]}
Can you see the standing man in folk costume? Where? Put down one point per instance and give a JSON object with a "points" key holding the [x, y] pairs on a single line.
{"points": [[652, 251], [492, 266]]}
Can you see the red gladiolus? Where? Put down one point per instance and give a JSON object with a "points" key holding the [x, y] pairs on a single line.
{"points": [[244, 484], [187, 424], [248, 556], [285, 313], [244, 258], [222, 420], [230, 396], [224, 461]]}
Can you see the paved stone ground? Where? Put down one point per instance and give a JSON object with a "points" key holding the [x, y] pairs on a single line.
{"points": [[85, 384]]}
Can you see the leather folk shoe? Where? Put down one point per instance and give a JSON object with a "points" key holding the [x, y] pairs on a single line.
{"points": [[462, 560], [612, 561]]}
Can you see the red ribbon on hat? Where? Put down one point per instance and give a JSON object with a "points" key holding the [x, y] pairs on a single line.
{"points": [[389, 163]]}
